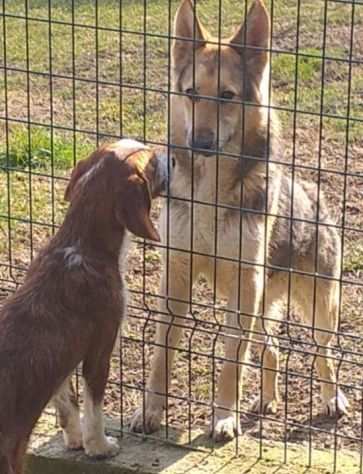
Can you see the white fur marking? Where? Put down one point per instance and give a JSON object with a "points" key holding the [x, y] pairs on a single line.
{"points": [[265, 86], [338, 404], [125, 143], [72, 257], [86, 177], [93, 424], [129, 143], [95, 443]]}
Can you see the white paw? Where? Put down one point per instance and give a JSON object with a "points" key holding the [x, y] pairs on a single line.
{"points": [[337, 406], [101, 448], [147, 423], [267, 407], [73, 440], [225, 427]]}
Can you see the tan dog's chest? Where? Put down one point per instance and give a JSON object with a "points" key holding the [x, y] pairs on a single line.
{"points": [[220, 235]]}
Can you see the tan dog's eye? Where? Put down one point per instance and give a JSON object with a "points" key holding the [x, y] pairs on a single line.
{"points": [[228, 95]]}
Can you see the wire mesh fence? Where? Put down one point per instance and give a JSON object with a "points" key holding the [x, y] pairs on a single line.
{"points": [[261, 263]]}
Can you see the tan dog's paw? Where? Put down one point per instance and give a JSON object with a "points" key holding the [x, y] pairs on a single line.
{"points": [[225, 427], [101, 448], [337, 406], [148, 422], [267, 407]]}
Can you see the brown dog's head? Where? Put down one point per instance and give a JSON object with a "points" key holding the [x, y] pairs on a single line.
{"points": [[128, 175], [216, 77]]}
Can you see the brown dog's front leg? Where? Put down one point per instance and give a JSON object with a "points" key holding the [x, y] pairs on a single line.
{"points": [[95, 372]]}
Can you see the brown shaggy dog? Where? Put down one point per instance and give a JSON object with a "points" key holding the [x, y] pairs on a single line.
{"points": [[72, 301]]}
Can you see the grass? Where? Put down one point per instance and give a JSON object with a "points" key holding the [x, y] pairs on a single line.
{"points": [[40, 149], [122, 111], [65, 103], [50, 146], [354, 262]]}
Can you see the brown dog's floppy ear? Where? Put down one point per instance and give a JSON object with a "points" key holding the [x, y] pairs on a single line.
{"points": [[252, 38], [80, 168], [188, 26], [133, 208]]}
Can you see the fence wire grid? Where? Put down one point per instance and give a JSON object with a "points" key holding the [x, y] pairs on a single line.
{"points": [[78, 73]]}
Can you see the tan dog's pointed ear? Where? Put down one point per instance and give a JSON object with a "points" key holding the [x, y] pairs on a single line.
{"points": [[188, 26], [133, 208], [252, 38], [80, 168]]}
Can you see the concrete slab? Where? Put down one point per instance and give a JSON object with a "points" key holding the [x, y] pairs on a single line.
{"points": [[145, 455]]}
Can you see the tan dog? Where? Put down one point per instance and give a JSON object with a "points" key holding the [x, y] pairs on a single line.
{"points": [[250, 189], [72, 301]]}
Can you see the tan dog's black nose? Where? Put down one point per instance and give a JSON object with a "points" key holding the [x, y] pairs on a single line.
{"points": [[203, 141]]}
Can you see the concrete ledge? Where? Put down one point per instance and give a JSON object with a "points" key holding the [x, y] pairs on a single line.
{"points": [[144, 455]]}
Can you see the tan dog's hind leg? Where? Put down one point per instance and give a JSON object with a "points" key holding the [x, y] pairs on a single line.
{"points": [[226, 422], [327, 307], [323, 317], [66, 404], [173, 309], [268, 346]]}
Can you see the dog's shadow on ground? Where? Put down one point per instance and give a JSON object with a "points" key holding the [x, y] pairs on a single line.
{"points": [[319, 424], [257, 426]]}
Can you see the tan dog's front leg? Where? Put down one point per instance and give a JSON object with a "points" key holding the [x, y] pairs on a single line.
{"points": [[268, 347], [173, 310], [226, 422]]}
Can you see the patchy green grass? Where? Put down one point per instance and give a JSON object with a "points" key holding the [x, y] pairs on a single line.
{"points": [[354, 262], [40, 148], [113, 59], [125, 64]]}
